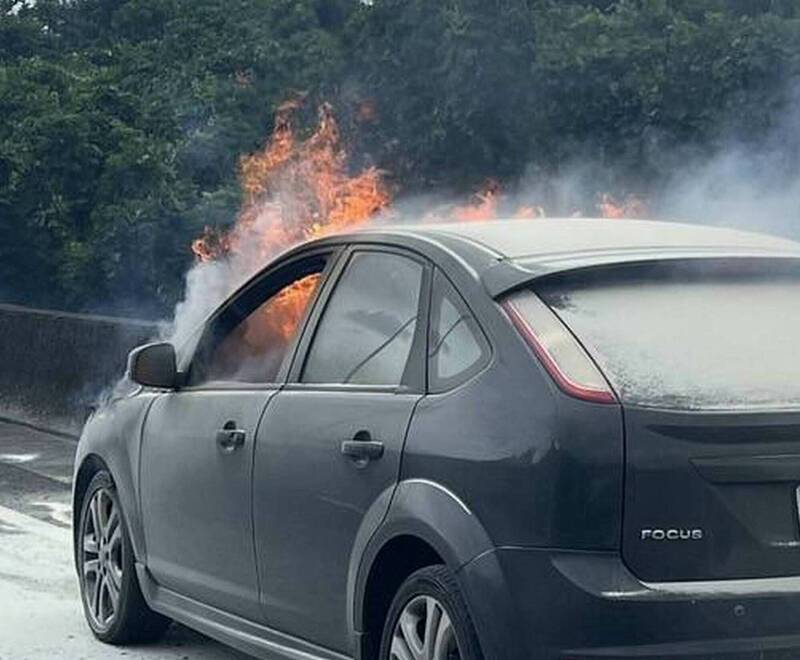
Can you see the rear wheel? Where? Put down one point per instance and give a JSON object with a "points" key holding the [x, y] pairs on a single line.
{"points": [[112, 600], [428, 620]]}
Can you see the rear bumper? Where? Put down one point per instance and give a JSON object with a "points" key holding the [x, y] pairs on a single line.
{"points": [[534, 603]]}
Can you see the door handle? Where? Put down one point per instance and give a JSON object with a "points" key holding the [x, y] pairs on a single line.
{"points": [[362, 448], [229, 438]]}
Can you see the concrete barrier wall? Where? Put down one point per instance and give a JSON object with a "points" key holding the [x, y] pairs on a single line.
{"points": [[53, 365]]}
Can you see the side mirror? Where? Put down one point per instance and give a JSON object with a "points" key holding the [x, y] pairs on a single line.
{"points": [[153, 365]]}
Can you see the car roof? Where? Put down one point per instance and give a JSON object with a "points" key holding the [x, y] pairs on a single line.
{"points": [[506, 253], [537, 238]]}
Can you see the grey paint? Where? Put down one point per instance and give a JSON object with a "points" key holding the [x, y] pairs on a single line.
{"points": [[518, 487], [560, 603], [748, 515], [571, 237], [113, 436], [310, 501], [195, 495], [244, 634]]}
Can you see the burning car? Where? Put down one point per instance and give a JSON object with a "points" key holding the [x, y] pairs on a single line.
{"points": [[546, 439]]}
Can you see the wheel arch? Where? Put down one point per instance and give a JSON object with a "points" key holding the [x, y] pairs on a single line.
{"points": [[426, 524]]}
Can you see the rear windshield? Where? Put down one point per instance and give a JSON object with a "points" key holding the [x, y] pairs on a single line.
{"points": [[689, 335]]}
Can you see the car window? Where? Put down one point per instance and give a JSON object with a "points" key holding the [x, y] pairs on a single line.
{"points": [[367, 331], [696, 335], [456, 345], [253, 351]]}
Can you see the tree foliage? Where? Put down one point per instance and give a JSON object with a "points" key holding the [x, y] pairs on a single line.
{"points": [[477, 89], [121, 126], [122, 120]]}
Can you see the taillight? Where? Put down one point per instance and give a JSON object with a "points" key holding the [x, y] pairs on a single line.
{"points": [[557, 349]]}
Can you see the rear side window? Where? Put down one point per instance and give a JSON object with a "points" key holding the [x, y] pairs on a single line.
{"points": [[457, 348], [367, 331], [689, 335]]}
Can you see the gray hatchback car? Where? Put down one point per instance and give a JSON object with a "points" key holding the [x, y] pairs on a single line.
{"points": [[505, 440]]}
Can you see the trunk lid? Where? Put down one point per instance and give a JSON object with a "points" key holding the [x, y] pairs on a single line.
{"points": [[703, 357], [711, 495]]}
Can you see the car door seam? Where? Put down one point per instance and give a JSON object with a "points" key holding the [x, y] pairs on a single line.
{"points": [[253, 535]]}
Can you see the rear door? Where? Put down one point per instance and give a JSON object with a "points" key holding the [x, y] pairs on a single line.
{"points": [[199, 441], [704, 357], [328, 452]]}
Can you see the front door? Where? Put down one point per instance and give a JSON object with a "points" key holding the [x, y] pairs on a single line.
{"points": [[329, 447], [199, 443], [196, 495]]}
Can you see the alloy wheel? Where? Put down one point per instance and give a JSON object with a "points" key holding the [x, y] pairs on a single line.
{"points": [[424, 631], [101, 559]]}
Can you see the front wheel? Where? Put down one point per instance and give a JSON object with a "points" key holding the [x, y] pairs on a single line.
{"points": [[428, 620], [112, 600]]}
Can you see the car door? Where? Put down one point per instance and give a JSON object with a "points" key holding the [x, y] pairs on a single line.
{"points": [[328, 451], [198, 443]]}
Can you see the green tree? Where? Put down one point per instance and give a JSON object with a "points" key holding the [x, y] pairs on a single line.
{"points": [[470, 89], [122, 121], [453, 84], [122, 124]]}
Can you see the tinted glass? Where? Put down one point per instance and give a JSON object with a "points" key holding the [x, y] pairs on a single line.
{"points": [[367, 330], [689, 336], [255, 349], [456, 346]]}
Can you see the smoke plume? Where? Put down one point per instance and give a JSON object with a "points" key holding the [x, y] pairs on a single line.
{"points": [[295, 190]]}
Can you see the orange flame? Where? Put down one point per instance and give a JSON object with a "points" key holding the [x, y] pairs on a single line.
{"points": [[484, 206], [529, 213], [295, 191], [298, 190], [630, 207], [281, 314]]}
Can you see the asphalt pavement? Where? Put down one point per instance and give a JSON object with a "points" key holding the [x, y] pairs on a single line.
{"points": [[40, 610]]}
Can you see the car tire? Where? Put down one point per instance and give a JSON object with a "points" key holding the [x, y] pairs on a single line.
{"points": [[429, 613], [112, 600]]}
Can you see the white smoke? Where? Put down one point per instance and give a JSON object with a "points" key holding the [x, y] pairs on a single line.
{"points": [[756, 188], [745, 184], [209, 283]]}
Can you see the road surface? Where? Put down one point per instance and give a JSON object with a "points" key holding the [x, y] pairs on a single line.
{"points": [[40, 612]]}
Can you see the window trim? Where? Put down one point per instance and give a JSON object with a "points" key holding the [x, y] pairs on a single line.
{"points": [[487, 350], [264, 285], [415, 376]]}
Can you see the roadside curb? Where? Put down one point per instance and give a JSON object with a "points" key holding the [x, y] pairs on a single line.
{"points": [[39, 427]]}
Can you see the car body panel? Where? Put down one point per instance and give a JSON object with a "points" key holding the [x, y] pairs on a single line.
{"points": [[340, 499], [112, 435], [195, 496], [571, 604], [244, 634], [730, 476], [310, 501], [555, 238], [518, 487], [535, 466]]}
